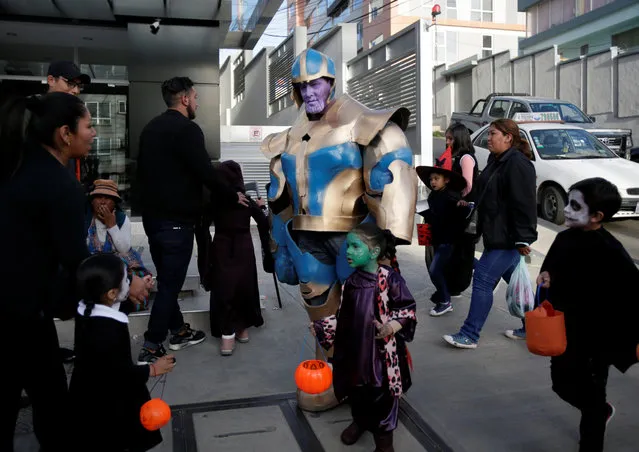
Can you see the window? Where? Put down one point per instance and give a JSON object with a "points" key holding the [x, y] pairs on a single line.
{"points": [[531, 21], [499, 108], [360, 35], [291, 10], [482, 140], [487, 46], [375, 9], [376, 41], [100, 113], [556, 12], [481, 10], [581, 7], [451, 9], [325, 29], [517, 108], [102, 146], [356, 4], [122, 107], [555, 144], [543, 16]]}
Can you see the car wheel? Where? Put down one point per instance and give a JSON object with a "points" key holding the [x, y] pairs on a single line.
{"points": [[552, 205]]}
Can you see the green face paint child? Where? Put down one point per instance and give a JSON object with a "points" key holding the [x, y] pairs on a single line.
{"points": [[360, 255]]}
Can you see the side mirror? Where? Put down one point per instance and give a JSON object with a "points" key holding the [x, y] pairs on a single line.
{"points": [[592, 118]]}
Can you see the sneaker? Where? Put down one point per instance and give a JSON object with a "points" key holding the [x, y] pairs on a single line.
{"points": [[441, 309], [610, 414], [227, 345], [518, 334], [460, 341], [149, 356], [242, 337], [186, 337]]}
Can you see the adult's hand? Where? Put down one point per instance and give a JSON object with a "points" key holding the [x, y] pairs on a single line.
{"points": [[162, 365], [106, 216], [138, 290], [524, 250], [241, 199], [260, 203]]}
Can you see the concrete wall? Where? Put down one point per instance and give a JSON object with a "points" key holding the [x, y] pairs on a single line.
{"points": [[254, 104], [226, 95], [570, 82], [628, 103], [522, 82], [544, 74], [603, 84], [503, 72]]}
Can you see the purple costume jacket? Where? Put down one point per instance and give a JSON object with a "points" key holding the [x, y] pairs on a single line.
{"points": [[359, 359]]}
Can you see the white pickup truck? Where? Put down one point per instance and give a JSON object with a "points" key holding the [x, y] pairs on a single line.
{"points": [[499, 105]]}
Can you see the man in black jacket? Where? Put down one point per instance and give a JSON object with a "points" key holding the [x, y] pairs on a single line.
{"points": [[173, 169]]}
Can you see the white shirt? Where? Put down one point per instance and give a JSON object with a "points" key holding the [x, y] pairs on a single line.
{"points": [[100, 310], [121, 236]]}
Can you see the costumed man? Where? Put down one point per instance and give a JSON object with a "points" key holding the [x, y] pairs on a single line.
{"points": [[340, 164]]}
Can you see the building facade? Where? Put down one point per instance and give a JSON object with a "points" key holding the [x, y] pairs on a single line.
{"points": [[465, 28], [580, 27]]}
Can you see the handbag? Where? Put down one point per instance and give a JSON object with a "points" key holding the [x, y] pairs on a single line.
{"points": [[546, 330], [473, 216]]}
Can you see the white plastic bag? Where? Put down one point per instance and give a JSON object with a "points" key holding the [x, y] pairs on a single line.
{"points": [[519, 295]]}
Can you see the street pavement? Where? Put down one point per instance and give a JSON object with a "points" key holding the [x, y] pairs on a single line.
{"points": [[496, 398]]}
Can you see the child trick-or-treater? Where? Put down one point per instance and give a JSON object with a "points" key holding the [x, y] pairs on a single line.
{"points": [[592, 279], [369, 332], [447, 223]]}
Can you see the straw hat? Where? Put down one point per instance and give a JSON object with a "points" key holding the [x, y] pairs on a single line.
{"points": [[105, 187]]}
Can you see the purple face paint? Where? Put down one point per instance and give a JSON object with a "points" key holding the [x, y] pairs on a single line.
{"points": [[315, 95]]}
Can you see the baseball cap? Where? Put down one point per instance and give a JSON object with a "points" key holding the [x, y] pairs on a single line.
{"points": [[69, 71]]}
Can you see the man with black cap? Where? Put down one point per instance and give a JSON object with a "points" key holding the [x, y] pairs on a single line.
{"points": [[66, 77]]}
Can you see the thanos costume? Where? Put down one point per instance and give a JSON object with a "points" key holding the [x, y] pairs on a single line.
{"points": [[329, 173]]}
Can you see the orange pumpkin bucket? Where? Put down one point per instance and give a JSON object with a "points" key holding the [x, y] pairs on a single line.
{"points": [[424, 234], [313, 376], [155, 414], [546, 331]]}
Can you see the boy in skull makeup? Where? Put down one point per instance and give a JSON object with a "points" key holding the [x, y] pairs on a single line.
{"points": [[592, 279]]}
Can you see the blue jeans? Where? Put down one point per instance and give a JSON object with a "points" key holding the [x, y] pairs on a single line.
{"points": [[493, 265], [171, 246], [437, 270]]}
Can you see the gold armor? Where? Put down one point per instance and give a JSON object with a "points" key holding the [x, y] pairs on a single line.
{"points": [[344, 204]]}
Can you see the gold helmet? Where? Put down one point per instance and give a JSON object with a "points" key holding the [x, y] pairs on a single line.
{"points": [[311, 65]]}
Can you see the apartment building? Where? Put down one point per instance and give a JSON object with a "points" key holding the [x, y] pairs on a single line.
{"points": [[465, 28], [580, 27]]}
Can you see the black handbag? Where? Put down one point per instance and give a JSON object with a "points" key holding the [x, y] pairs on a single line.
{"points": [[473, 216]]}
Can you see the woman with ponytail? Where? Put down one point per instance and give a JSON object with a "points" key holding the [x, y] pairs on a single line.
{"points": [[42, 223], [371, 364], [107, 388]]}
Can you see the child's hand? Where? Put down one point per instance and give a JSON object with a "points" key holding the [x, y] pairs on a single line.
{"points": [[462, 203], [163, 365], [544, 280], [384, 330], [311, 328], [148, 282]]}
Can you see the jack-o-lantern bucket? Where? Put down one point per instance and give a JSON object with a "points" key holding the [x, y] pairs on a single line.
{"points": [[424, 234], [155, 414], [313, 376]]}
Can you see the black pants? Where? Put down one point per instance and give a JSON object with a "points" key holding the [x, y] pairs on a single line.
{"points": [[581, 381], [374, 409], [35, 366], [171, 246]]}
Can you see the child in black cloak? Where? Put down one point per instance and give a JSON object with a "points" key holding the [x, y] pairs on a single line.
{"points": [[592, 279], [107, 389], [447, 222]]}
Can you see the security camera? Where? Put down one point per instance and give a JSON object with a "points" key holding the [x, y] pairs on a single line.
{"points": [[155, 26]]}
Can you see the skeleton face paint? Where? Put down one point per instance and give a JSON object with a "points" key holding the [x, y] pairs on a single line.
{"points": [[577, 212], [315, 95]]}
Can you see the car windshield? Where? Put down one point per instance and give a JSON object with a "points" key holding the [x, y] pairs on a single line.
{"points": [[555, 144], [568, 112]]}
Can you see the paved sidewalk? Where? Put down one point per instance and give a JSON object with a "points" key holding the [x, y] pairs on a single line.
{"points": [[496, 398]]}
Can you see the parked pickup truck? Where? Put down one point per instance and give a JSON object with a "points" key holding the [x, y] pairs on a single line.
{"points": [[505, 105]]}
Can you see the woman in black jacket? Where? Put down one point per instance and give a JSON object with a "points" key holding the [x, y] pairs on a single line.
{"points": [[42, 226], [507, 208]]}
